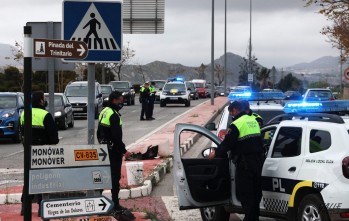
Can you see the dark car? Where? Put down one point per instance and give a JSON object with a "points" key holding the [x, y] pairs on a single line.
{"points": [[293, 95], [127, 90], [63, 111], [193, 91], [106, 90], [221, 91], [209, 92], [11, 107]]}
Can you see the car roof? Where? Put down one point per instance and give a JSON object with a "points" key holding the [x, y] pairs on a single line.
{"points": [[175, 82], [80, 83]]}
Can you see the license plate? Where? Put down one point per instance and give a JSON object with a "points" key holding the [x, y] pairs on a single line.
{"points": [[78, 109], [173, 98]]}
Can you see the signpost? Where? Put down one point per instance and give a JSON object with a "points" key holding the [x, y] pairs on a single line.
{"points": [[60, 49], [75, 207]]}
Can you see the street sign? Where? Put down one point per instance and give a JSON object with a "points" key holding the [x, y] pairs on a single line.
{"points": [[98, 24], [346, 74], [61, 156], [50, 48], [250, 78], [69, 179], [75, 207]]}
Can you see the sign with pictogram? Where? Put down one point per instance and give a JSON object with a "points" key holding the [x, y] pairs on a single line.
{"points": [[346, 74], [50, 48], [61, 156], [75, 207], [98, 24]]}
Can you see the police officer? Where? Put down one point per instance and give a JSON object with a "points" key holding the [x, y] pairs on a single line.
{"points": [[152, 91], [244, 142], [110, 132], [247, 109], [144, 98], [44, 130]]}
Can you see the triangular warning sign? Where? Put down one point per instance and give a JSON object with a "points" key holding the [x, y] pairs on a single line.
{"points": [[94, 32]]}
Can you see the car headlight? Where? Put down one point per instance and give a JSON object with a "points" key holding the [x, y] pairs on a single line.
{"points": [[106, 99], [58, 114], [8, 114]]}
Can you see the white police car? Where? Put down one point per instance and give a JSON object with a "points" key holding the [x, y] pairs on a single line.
{"points": [[175, 92], [305, 175]]}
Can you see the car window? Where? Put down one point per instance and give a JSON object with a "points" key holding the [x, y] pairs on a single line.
{"points": [[76, 91], [120, 85], [159, 84], [106, 90], [7, 102], [20, 101], [288, 142], [319, 140], [267, 137]]}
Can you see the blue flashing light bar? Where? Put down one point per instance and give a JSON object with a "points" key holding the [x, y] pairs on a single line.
{"points": [[317, 107], [255, 96]]}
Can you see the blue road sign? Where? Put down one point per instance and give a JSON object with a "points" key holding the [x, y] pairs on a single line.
{"points": [[98, 24]]}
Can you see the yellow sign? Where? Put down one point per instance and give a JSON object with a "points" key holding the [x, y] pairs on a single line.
{"points": [[82, 155]]}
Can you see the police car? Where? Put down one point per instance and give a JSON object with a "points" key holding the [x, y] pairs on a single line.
{"points": [[305, 175], [175, 92]]}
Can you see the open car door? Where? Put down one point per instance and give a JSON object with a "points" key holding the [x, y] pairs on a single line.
{"points": [[200, 182]]}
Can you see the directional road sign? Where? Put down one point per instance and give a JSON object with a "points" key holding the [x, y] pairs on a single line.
{"points": [[99, 24], [61, 156], [75, 207], [69, 179], [50, 48]]}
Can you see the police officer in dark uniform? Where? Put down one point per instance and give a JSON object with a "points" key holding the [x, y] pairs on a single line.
{"points": [[44, 130], [150, 111], [144, 98], [110, 132], [244, 141], [247, 109]]}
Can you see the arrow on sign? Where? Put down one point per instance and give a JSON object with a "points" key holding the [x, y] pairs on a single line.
{"points": [[102, 204], [103, 154], [81, 50]]}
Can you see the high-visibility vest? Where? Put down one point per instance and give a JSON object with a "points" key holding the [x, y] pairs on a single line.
{"points": [[104, 116], [38, 116], [247, 127], [152, 89]]}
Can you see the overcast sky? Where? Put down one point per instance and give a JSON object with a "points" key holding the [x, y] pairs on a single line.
{"points": [[284, 32]]}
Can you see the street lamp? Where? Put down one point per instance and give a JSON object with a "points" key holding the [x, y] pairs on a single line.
{"points": [[212, 56]]}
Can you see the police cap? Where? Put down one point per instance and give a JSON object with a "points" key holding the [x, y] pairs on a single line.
{"points": [[235, 105]]}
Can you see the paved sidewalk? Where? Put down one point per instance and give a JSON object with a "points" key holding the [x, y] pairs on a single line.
{"points": [[153, 170]]}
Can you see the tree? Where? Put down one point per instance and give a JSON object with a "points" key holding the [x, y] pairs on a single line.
{"points": [[219, 72], [140, 71], [262, 76], [201, 71], [289, 83], [13, 79], [127, 55], [336, 11], [245, 70]]}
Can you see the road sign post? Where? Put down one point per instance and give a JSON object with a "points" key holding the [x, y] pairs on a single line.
{"points": [[50, 48], [76, 207]]}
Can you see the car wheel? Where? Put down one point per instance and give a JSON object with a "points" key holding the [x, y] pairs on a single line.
{"points": [[312, 208], [162, 104], [71, 124], [217, 213], [64, 123], [17, 138]]}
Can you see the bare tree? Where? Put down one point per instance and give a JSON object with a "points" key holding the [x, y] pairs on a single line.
{"points": [[201, 70], [219, 72], [140, 71], [127, 54]]}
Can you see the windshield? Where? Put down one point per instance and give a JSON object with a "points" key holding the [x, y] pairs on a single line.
{"points": [[7, 102], [159, 84], [199, 84], [120, 85], [190, 85], [220, 89], [76, 91], [179, 87], [319, 95], [106, 89]]}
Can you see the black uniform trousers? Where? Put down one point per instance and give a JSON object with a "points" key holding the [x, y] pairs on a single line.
{"points": [[248, 184], [144, 111], [150, 108], [115, 158]]}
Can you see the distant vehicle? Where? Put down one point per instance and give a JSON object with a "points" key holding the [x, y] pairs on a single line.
{"points": [[209, 92], [242, 89], [271, 90], [159, 84], [63, 115], [200, 85], [220, 91], [11, 107], [193, 90], [175, 93], [293, 95], [106, 90], [318, 94], [127, 90], [77, 94]]}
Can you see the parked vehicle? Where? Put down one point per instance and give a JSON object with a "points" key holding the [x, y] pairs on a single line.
{"points": [[318, 94], [11, 107], [175, 93], [220, 91], [77, 94], [127, 90], [193, 90], [200, 84], [106, 90], [63, 115]]}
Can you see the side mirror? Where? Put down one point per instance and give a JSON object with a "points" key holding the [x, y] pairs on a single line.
{"points": [[211, 126], [206, 152]]}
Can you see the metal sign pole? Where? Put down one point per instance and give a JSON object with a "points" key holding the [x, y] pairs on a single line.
{"points": [[51, 73], [212, 56], [28, 54]]}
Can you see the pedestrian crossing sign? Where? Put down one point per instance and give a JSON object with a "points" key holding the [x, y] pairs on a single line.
{"points": [[98, 24]]}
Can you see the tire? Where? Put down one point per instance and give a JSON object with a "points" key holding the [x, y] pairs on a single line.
{"points": [[217, 213], [17, 138], [64, 124], [313, 207], [162, 104], [71, 124]]}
